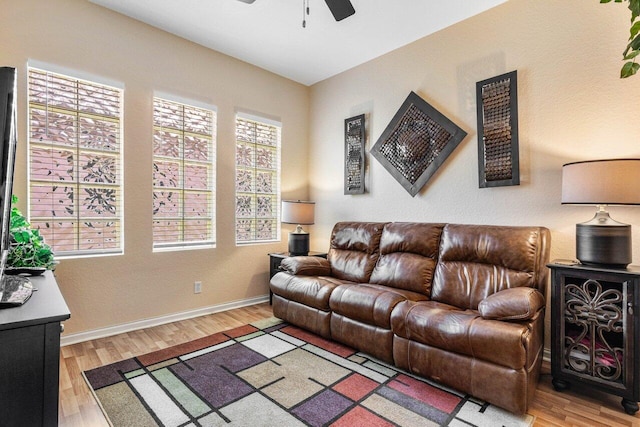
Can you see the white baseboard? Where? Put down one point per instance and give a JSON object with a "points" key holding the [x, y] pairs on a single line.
{"points": [[155, 321]]}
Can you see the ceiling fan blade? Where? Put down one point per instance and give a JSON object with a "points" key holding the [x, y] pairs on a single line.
{"points": [[340, 8]]}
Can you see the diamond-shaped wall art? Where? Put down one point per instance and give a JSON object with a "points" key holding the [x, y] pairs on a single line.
{"points": [[416, 142]]}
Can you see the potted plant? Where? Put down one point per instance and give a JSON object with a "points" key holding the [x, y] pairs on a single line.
{"points": [[28, 248]]}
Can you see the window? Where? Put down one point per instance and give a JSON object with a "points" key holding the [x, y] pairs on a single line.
{"points": [[183, 175], [257, 180], [75, 173]]}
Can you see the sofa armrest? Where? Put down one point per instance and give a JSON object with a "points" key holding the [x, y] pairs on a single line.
{"points": [[306, 266], [512, 304]]}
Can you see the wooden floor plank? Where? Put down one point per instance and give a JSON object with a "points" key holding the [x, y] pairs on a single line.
{"points": [[78, 407]]}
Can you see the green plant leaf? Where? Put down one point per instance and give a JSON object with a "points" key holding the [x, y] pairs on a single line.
{"points": [[632, 55], [634, 7], [629, 69], [21, 236], [635, 29]]}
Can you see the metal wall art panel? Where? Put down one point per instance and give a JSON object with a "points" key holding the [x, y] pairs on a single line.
{"points": [[416, 142], [498, 155], [354, 159]]}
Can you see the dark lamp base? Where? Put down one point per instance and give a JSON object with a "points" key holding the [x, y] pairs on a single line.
{"points": [[298, 244], [603, 242]]}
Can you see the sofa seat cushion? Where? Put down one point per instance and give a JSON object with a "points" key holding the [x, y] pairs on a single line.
{"points": [[369, 303], [312, 291], [462, 331]]}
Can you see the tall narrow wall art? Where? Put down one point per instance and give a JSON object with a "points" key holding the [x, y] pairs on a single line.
{"points": [[354, 159], [498, 154]]}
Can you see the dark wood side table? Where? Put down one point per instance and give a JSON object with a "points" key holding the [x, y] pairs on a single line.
{"points": [[275, 258], [595, 329]]}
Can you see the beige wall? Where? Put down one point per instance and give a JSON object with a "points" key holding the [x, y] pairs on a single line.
{"points": [[572, 106], [81, 36]]}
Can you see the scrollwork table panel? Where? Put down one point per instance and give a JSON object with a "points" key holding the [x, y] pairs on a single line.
{"points": [[595, 329]]}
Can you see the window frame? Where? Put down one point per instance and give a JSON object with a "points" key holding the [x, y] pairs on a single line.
{"points": [[263, 120], [212, 241], [95, 81]]}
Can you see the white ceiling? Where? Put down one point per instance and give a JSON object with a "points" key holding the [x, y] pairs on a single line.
{"points": [[269, 33]]}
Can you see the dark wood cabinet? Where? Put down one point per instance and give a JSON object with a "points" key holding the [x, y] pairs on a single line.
{"points": [[275, 258], [595, 330], [30, 356]]}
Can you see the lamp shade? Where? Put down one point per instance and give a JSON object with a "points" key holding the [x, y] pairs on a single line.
{"points": [[298, 212], [601, 182]]}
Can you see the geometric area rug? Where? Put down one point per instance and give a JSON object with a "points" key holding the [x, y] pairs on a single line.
{"points": [[270, 373]]}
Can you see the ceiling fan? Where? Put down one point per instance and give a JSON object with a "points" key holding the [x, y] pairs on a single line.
{"points": [[339, 8]]}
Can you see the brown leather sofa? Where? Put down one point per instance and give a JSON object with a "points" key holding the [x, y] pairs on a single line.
{"points": [[461, 304]]}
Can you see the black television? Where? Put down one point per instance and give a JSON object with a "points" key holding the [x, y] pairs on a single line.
{"points": [[14, 290]]}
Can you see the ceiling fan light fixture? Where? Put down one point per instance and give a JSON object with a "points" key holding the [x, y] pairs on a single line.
{"points": [[340, 8], [305, 12]]}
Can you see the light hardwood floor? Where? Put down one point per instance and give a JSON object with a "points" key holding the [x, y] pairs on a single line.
{"points": [[78, 407]]}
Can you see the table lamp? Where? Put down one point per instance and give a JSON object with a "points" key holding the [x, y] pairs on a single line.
{"points": [[300, 213], [602, 241]]}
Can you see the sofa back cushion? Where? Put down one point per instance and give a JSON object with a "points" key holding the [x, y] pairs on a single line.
{"points": [[479, 260], [354, 250], [408, 254]]}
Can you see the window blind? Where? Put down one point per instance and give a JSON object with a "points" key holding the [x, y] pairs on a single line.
{"points": [[75, 163], [257, 205], [183, 175]]}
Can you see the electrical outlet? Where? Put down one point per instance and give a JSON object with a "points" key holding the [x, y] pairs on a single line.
{"points": [[197, 287]]}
